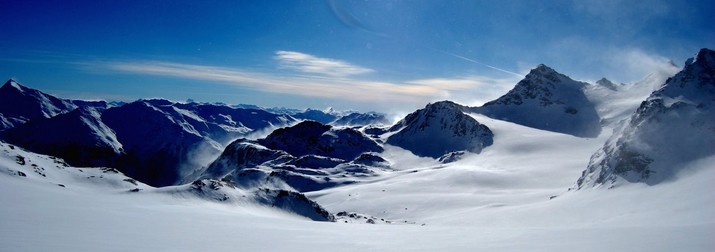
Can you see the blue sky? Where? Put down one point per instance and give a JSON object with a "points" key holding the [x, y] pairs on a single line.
{"points": [[366, 55]]}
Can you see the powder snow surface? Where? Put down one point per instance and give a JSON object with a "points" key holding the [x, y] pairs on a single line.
{"points": [[498, 200]]}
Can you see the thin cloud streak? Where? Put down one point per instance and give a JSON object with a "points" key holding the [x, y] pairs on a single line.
{"points": [[311, 64], [413, 91], [480, 63]]}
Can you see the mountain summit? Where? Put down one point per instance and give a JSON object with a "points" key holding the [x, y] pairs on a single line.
{"points": [[674, 126], [438, 129], [19, 104], [548, 100], [79, 136]]}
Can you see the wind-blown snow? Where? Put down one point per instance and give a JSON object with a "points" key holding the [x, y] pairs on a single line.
{"points": [[674, 126]]}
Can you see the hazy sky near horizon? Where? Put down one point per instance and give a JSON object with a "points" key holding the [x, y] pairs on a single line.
{"points": [[364, 55]]}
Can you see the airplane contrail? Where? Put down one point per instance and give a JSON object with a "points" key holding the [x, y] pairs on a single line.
{"points": [[351, 21], [483, 64]]}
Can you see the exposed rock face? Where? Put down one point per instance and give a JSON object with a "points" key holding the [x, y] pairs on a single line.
{"points": [[674, 126], [438, 129], [548, 100]]}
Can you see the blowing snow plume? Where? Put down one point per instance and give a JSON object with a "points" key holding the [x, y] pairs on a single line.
{"points": [[671, 128]]}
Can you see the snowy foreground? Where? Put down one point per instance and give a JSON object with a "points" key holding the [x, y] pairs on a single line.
{"points": [[499, 200]]}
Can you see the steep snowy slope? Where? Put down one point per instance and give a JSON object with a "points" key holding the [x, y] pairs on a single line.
{"points": [[438, 129], [157, 141], [80, 137], [19, 104], [495, 201], [157, 144], [674, 126], [512, 196], [29, 169], [546, 99], [6, 123], [519, 183]]}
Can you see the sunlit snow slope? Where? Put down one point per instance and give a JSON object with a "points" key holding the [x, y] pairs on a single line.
{"points": [[497, 200], [517, 194]]}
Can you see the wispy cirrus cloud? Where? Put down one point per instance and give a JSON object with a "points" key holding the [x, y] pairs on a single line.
{"points": [[315, 65], [319, 85]]}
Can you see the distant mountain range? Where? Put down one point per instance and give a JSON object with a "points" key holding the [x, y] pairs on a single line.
{"points": [[156, 141], [161, 143]]}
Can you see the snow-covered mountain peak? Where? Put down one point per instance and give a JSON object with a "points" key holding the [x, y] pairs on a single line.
{"points": [[311, 137], [12, 84], [704, 57], [542, 69], [607, 83], [694, 84], [79, 136], [543, 84], [444, 105], [158, 102], [19, 104], [546, 99], [604, 81], [423, 117], [438, 129], [543, 75]]}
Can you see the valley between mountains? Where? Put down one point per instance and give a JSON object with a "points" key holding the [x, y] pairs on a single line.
{"points": [[553, 164]]}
